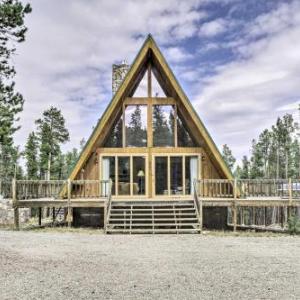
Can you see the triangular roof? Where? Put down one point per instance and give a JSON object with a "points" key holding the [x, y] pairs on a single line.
{"points": [[127, 88]]}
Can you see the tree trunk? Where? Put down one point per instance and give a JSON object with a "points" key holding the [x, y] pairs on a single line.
{"points": [[49, 167], [286, 164], [277, 163]]}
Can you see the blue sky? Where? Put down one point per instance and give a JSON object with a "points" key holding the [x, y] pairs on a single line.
{"points": [[238, 61]]}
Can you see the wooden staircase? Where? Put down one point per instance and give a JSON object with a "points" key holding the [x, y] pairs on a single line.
{"points": [[152, 217]]}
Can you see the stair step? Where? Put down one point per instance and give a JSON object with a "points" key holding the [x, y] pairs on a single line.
{"points": [[150, 214], [153, 224], [166, 230], [152, 209], [151, 219], [152, 205]]}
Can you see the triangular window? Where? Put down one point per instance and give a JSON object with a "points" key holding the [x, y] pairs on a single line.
{"points": [[184, 138], [114, 138], [157, 90], [142, 88]]}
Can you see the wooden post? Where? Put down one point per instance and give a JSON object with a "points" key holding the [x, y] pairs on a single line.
{"points": [[290, 198], [15, 204], [40, 216], [200, 214], [234, 207], [69, 216]]}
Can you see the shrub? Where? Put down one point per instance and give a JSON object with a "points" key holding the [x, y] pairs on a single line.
{"points": [[294, 225]]}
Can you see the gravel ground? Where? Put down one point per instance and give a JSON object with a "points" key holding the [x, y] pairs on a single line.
{"points": [[72, 265]]}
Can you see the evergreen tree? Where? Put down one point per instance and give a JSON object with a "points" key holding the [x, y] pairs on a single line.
{"points": [[161, 130], [31, 156], [245, 168], [71, 158], [51, 132], [256, 161], [137, 136], [228, 156], [12, 31]]}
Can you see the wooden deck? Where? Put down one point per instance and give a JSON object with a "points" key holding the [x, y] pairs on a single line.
{"points": [[233, 194]]}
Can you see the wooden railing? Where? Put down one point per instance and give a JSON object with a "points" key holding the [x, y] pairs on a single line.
{"points": [[59, 189], [214, 188], [90, 188], [38, 189], [246, 188]]}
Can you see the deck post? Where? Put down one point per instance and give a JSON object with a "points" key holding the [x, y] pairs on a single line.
{"points": [[69, 216], [290, 198], [234, 207], [40, 216], [15, 204]]}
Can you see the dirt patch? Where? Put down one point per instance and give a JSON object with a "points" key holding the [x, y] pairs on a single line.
{"points": [[80, 265]]}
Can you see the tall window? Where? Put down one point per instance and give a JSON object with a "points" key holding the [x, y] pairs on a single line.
{"points": [[108, 173], [163, 125], [124, 175], [136, 126], [139, 175], [184, 138], [114, 139]]}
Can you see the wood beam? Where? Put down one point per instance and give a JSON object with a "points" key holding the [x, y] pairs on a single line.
{"points": [[145, 100]]}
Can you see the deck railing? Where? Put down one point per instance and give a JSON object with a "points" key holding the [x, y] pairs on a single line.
{"points": [[89, 188], [38, 189], [246, 188], [58, 189]]}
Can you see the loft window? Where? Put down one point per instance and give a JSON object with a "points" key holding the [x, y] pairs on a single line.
{"points": [[114, 139], [163, 125], [184, 138], [136, 126]]}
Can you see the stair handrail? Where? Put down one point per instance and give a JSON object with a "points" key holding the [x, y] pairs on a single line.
{"points": [[197, 203], [108, 206]]}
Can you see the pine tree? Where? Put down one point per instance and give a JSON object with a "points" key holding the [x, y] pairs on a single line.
{"points": [[245, 172], [31, 156], [228, 156], [12, 31], [51, 132], [71, 158], [161, 130], [256, 161], [137, 136]]}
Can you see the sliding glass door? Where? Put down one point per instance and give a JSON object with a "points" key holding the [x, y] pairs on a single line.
{"points": [[174, 175], [127, 173]]}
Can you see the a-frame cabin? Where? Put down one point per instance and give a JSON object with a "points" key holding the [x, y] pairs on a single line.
{"points": [[150, 141]]}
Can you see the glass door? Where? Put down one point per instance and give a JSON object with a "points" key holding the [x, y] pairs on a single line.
{"points": [[175, 175], [127, 173]]}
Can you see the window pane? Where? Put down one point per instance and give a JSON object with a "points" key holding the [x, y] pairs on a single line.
{"points": [[191, 173], [124, 175], [163, 125], [114, 139], [184, 137], [136, 125], [139, 175], [176, 175], [161, 175], [108, 172]]}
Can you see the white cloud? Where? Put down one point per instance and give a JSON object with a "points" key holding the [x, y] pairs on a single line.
{"points": [[244, 96], [213, 28], [176, 54], [70, 47]]}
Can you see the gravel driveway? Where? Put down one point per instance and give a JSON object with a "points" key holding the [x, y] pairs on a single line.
{"points": [[56, 265]]}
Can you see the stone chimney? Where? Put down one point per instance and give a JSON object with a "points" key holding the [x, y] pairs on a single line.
{"points": [[118, 74]]}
